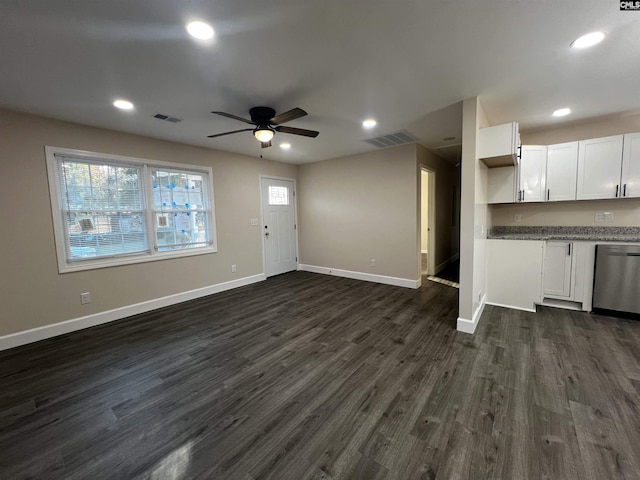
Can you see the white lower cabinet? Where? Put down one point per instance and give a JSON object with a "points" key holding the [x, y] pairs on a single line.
{"points": [[568, 274], [558, 267], [514, 273]]}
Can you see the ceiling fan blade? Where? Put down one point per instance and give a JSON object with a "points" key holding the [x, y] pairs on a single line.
{"points": [[288, 116], [266, 144], [297, 131], [229, 133], [235, 117]]}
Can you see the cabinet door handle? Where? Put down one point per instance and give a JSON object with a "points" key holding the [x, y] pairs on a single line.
{"points": [[569, 253], [520, 152], [624, 190], [617, 188], [523, 195], [548, 193]]}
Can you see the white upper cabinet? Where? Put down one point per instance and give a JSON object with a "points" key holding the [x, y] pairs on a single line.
{"points": [[631, 166], [498, 145], [599, 167], [533, 174], [562, 170]]}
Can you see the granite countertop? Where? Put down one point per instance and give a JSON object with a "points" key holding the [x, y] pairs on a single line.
{"points": [[602, 234]]}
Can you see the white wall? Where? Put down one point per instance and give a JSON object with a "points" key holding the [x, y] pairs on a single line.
{"points": [[474, 219], [424, 211]]}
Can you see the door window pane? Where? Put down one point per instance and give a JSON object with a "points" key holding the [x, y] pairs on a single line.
{"points": [[278, 195]]}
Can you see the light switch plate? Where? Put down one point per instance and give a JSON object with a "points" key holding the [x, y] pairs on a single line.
{"points": [[517, 218], [254, 221]]}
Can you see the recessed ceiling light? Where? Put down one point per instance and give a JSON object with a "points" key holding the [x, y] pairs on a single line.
{"points": [[123, 104], [588, 40], [369, 123], [561, 112], [285, 146], [200, 30]]}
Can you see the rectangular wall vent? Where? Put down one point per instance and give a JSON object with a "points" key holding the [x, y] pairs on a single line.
{"points": [[390, 139], [167, 118]]}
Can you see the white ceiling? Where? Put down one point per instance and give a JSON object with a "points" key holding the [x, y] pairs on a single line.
{"points": [[408, 63]]}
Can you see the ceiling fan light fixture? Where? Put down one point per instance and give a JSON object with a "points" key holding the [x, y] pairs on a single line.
{"points": [[263, 134]]}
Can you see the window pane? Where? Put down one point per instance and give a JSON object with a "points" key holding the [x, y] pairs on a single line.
{"points": [[178, 230], [102, 206], [180, 204], [278, 195], [105, 234]]}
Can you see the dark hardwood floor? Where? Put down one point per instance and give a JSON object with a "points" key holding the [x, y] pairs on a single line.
{"points": [[307, 376]]}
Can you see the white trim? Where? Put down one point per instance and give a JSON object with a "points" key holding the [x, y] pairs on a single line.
{"points": [[431, 218], [532, 310], [367, 277], [465, 325], [48, 331], [424, 251]]}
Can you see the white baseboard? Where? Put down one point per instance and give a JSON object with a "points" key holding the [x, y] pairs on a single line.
{"points": [[512, 307], [369, 277], [465, 325], [48, 331]]}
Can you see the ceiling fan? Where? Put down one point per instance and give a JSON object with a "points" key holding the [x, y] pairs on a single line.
{"points": [[267, 123]]}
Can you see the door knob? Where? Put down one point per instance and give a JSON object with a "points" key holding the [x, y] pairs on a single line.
{"points": [[266, 234]]}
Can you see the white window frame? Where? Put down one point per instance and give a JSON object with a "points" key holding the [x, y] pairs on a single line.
{"points": [[64, 266]]}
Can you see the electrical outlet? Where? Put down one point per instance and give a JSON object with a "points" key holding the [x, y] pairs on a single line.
{"points": [[85, 298], [604, 216], [517, 218], [373, 262], [233, 268]]}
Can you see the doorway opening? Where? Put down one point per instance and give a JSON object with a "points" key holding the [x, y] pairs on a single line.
{"points": [[427, 222]]}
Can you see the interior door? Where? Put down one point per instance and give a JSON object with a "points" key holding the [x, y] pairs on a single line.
{"points": [[278, 226]]}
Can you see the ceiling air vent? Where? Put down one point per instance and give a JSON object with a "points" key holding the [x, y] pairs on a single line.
{"points": [[167, 118], [390, 139]]}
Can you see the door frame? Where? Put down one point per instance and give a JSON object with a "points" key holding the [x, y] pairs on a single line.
{"points": [[431, 237], [295, 218]]}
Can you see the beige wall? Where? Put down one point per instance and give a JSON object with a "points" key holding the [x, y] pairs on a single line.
{"points": [[446, 180], [357, 208], [573, 214], [579, 213], [34, 294]]}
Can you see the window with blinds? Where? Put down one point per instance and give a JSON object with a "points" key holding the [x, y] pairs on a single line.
{"points": [[111, 210]]}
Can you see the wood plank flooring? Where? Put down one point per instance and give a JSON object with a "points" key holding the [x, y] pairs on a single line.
{"points": [[307, 376]]}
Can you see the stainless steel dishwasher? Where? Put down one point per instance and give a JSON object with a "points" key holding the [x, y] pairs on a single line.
{"points": [[616, 284]]}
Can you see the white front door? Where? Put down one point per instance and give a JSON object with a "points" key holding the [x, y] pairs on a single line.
{"points": [[278, 226]]}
